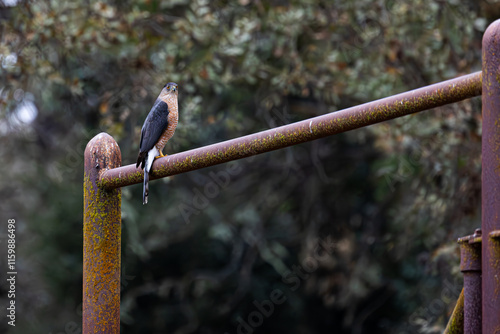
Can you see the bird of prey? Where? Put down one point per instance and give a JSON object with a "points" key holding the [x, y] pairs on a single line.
{"points": [[158, 128]]}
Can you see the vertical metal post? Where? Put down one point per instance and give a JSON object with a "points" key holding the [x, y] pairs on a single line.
{"points": [[101, 240], [491, 178], [470, 265]]}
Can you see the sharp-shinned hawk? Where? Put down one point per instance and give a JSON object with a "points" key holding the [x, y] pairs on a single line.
{"points": [[158, 128]]}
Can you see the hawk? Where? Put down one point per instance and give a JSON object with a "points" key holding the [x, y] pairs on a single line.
{"points": [[158, 128]]}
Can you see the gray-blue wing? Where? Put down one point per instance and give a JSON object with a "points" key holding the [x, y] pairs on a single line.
{"points": [[156, 122]]}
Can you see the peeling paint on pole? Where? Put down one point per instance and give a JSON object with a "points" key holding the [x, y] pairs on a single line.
{"points": [[101, 240], [432, 96]]}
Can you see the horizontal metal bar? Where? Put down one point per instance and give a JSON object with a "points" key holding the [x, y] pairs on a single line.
{"points": [[428, 97]]}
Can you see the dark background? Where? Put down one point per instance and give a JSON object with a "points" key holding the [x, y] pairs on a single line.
{"points": [[388, 201]]}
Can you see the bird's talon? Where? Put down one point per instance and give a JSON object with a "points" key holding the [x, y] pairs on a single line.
{"points": [[161, 155]]}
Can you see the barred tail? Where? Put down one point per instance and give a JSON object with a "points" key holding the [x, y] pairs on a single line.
{"points": [[145, 187]]}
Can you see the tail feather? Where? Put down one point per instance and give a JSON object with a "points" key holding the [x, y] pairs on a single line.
{"points": [[147, 161], [145, 188]]}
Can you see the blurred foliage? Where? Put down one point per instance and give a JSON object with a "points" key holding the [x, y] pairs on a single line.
{"points": [[392, 198]]}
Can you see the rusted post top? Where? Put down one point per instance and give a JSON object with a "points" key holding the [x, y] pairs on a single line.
{"points": [[470, 252], [491, 179], [101, 240], [318, 127]]}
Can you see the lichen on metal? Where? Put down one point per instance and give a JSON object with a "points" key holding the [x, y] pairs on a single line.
{"points": [[456, 322], [436, 95], [102, 240]]}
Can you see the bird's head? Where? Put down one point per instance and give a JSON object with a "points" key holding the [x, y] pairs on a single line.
{"points": [[171, 88]]}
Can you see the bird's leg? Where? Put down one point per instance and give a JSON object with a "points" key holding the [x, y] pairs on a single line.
{"points": [[161, 155]]}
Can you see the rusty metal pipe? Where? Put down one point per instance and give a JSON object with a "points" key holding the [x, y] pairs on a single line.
{"points": [[101, 240], [470, 266], [428, 97], [491, 179], [456, 322]]}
